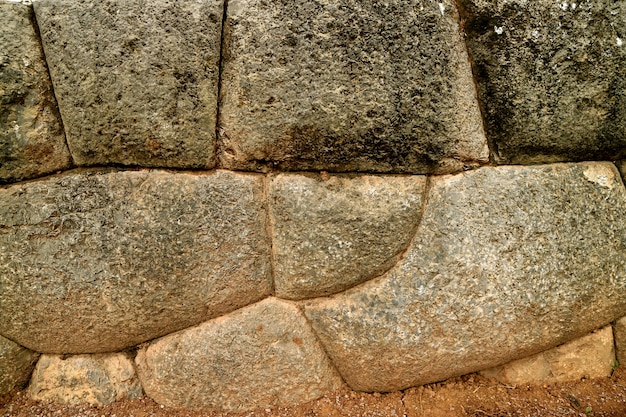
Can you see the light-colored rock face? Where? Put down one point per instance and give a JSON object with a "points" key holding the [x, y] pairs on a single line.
{"points": [[99, 261], [32, 141], [591, 356], [264, 355], [136, 81], [16, 365], [506, 262], [331, 233], [93, 379], [339, 85], [551, 77]]}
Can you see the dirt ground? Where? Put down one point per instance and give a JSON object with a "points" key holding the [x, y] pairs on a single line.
{"points": [[470, 395]]}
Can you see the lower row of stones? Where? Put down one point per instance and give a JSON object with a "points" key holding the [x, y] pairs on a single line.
{"points": [[394, 281]]}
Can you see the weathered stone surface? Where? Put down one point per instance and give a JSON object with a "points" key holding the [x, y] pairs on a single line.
{"points": [[331, 233], [99, 261], [619, 331], [551, 76], [136, 80], [507, 262], [591, 356], [32, 141], [339, 85], [16, 365], [94, 379], [264, 355]]}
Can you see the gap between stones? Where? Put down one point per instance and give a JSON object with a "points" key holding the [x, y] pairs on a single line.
{"points": [[216, 145]]}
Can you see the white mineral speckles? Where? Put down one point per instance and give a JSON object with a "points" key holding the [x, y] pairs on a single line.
{"points": [[535, 33], [619, 41], [442, 8], [563, 6], [498, 29]]}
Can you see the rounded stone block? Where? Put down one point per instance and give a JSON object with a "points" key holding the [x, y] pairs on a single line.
{"points": [[97, 261], [551, 77], [264, 355], [347, 85], [16, 365], [32, 141], [136, 80], [591, 356], [85, 379], [330, 233], [506, 262]]}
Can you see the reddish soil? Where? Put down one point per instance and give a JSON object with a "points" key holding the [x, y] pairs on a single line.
{"points": [[470, 395]]}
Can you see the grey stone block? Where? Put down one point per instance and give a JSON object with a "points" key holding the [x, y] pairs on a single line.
{"points": [[377, 86], [136, 80], [330, 233], [85, 379], [16, 365], [100, 261], [32, 141], [507, 262], [264, 355], [551, 76]]}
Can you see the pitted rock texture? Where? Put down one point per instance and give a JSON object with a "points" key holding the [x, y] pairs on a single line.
{"points": [[16, 365], [377, 86], [94, 379], [591, 356], [136, 80], [332, 232], [32, 141], [100, 261], [506, 262], [551, 76], [264, 355], [619, 331]]}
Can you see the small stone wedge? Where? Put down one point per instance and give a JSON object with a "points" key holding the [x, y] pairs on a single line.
{"points": [[264, 355], [99, 261], [330, 233], [506, 262]]}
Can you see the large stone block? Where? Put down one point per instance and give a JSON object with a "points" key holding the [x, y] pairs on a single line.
{"points": [[264, 355], [507, 262], [136, 80], [551, 76], [85, 379], [99, 261], [591, 356], [32, 141], [331, 233], [347, 85], [16, 365]]}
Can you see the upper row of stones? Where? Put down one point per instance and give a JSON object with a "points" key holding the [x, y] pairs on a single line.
{"points": [[346, 85]]}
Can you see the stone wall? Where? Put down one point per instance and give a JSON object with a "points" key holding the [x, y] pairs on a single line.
{"points": [[252, 203]]}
